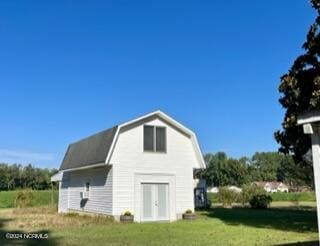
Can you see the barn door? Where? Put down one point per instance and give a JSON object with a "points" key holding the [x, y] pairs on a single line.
{"points": [[155, 202]]}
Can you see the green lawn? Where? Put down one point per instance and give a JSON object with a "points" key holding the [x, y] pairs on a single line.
{"points": [[300, 196], [279, 225], [40, 198], [279, 196]]}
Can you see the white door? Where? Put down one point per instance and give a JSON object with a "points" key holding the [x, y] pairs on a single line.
{"points": [[155, 202]]}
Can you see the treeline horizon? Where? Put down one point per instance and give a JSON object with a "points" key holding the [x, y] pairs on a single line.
{"points": [[262, 166], [18, 176], [221, 171]]}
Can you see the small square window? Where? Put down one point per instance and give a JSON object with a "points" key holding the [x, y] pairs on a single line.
{"points": [[87, 189]]}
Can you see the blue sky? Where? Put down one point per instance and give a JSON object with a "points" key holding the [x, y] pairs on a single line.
{"points": [[72, 68]]}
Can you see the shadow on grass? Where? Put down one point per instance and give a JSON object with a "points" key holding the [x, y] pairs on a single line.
{"points": [[309, 243], [5, 235], [286, 219]]}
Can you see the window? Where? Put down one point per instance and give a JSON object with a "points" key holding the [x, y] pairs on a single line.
{"points": [[154, 138], [161, 139], [148, 138], [87, 188]]}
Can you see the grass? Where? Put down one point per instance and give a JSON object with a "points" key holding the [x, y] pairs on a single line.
{"points": [[40, 198], [43, 197], [283, 224], [299, 196]]}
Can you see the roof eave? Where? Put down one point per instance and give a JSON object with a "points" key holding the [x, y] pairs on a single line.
{"points": [[84, 167], [308, 118]]}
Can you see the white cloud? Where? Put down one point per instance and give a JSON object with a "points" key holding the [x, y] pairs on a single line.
{"points": [[24, 157]]}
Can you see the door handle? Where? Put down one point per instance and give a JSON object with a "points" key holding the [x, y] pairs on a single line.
{"points": [[156, 203]]}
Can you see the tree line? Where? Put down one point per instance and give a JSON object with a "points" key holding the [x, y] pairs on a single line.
{"points": [[262, 166], [221, 171], [16, 176]]}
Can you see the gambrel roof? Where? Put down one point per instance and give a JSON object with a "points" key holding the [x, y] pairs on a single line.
{"points": [[90, 150], [96, 150]]}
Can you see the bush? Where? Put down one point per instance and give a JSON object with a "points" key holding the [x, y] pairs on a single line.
{"points": [[248, 191], [188, 211], [227, 197], [127, 213], [213, 197], [24, 199], [260, 201]]}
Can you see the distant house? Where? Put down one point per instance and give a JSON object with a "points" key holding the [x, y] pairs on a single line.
{"points": [[235, 189], [272, 186], [214, 189], [144, 166], [231, 187]]}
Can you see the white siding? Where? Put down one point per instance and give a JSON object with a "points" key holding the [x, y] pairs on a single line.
{"points": [[63, 193], [128, 158], [100, 200]]}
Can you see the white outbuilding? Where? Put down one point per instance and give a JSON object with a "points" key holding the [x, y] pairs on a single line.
{"points": [[144, 166]]}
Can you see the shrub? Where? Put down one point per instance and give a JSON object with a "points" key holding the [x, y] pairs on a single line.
{"points": [[188, 211], [24, 199], [227, 197], [127, 213], [261, 201], [248, 191]]}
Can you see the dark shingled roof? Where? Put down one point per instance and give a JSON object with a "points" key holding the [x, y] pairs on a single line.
{"points": [[89, 151]]}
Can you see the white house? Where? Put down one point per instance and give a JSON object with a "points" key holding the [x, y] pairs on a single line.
{"points": [[273, 186], [215, 189], [144, 166]]}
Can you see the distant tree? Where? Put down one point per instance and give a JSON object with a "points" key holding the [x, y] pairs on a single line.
{"points": [[300, 89], [222, 170], [292, 174], [16, 176], [262, 166], [213, 173], [266, 165]]}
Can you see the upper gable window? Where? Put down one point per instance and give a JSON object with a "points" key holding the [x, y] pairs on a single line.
{"points": [[148, 138], [154, 138]]}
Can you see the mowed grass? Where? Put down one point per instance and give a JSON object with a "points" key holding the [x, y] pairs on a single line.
{"points": [[291, 196], [283, 225], [280, 196], [40, 198]]}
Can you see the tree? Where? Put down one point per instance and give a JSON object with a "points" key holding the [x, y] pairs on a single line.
{"points": [[213, 174], [262, 166], [222, 170], [300, 88], [16, 176], [266, 165], [290, 173]]}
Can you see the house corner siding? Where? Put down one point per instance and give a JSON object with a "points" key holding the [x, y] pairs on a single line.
{"points": [[63, 193]]}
